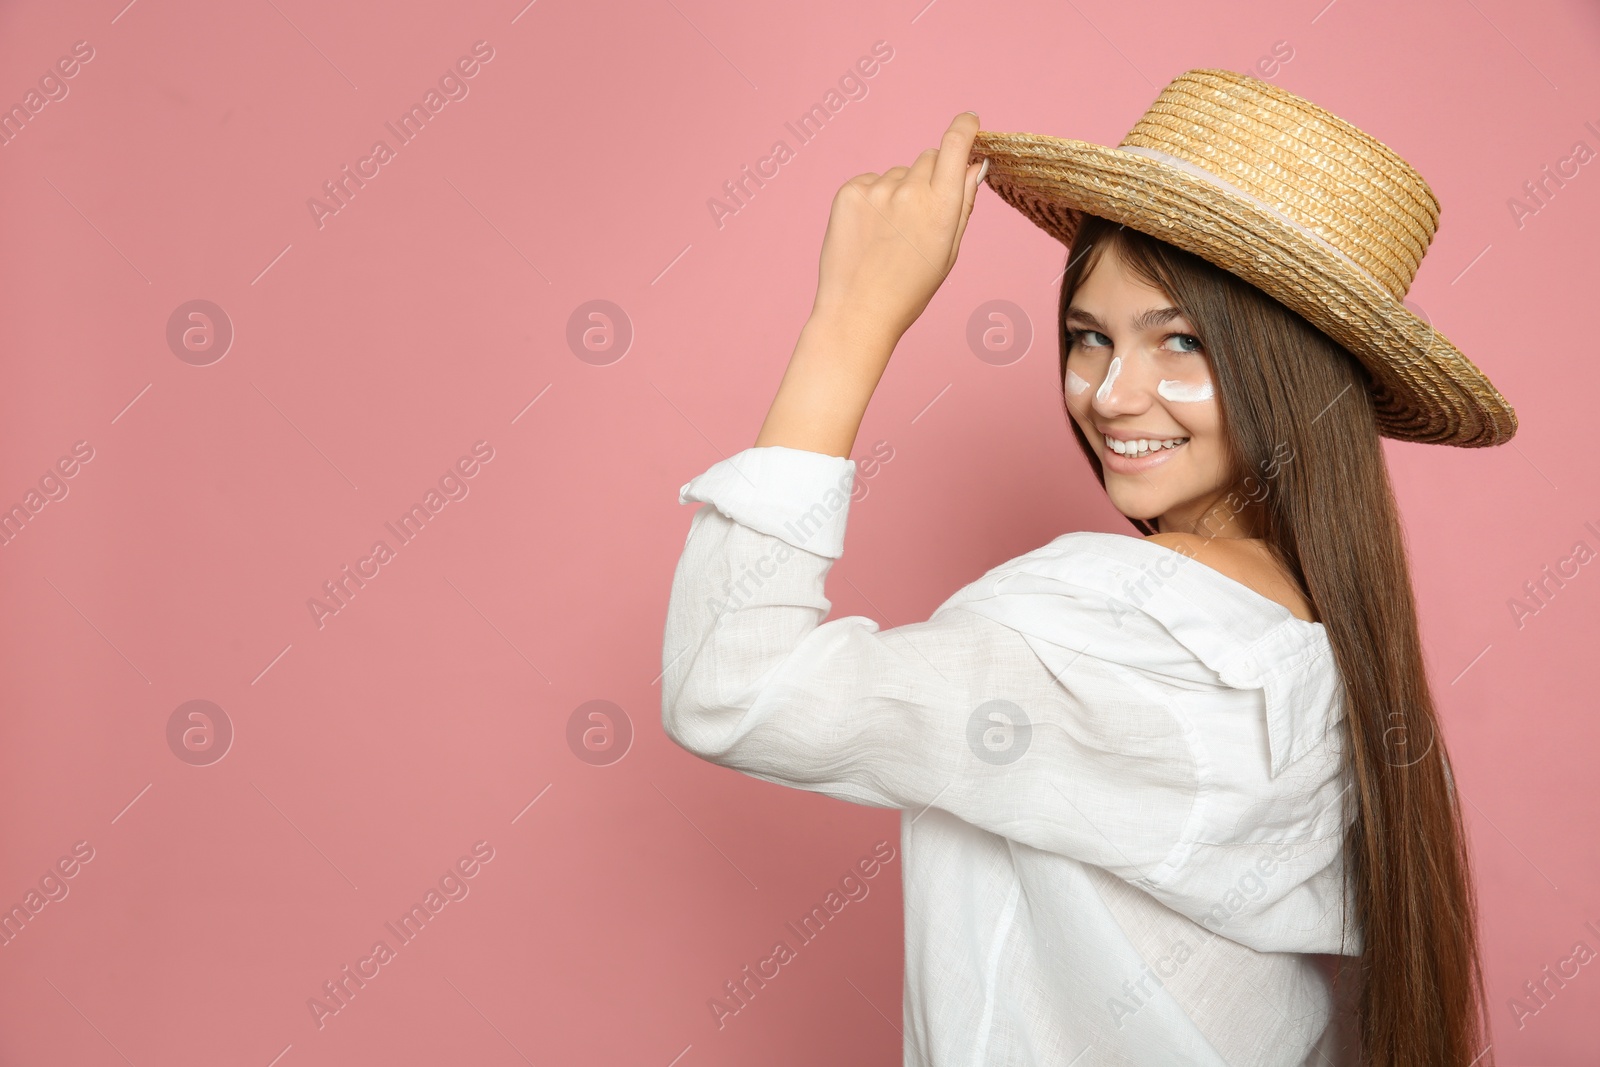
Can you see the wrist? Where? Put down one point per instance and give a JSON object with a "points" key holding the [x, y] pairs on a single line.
{"points": [[860, 340], [826, 388]]}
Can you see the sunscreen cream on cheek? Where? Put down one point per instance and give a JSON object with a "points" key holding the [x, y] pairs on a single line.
{"points": [[1184, 392]]}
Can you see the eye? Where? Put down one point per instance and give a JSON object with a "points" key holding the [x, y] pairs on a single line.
{"points": [[1079, 338], [1188, 342]]}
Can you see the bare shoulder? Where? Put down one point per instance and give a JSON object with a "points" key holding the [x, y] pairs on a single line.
{"points": [[1186, 543], [1248, 562]]}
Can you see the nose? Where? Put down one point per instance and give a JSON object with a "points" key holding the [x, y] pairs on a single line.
{"points": [[1126, 388]]}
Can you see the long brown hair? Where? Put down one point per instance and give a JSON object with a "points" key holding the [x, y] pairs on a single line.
{"points": [[1329, 517]]}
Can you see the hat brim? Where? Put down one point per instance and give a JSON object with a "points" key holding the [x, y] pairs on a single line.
{"points": [[1424, 389]]}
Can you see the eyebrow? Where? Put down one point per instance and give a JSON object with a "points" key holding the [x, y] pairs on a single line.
{"points": [[1147, 319]]}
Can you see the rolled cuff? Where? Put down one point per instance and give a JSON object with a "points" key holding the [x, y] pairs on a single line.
{"points": [[798, 496]]}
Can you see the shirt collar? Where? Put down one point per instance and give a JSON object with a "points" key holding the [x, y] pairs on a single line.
{"points": [[1248, 640]]}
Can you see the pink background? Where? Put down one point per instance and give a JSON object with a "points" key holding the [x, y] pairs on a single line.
{"points": [[369, 354]]}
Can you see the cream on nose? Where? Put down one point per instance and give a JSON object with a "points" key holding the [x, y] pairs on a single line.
{"points": [[1103, 393]]}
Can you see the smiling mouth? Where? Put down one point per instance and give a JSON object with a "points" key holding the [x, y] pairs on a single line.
{"points": [[1143, 446]]}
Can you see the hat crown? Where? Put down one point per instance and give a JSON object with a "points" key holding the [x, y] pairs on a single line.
{"points": [[1303, 162]]}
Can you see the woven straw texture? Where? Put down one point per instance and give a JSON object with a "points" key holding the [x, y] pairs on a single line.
{"points": [[1331, 223]]}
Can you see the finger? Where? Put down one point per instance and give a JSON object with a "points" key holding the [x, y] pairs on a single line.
{"points": [[955, 148], [922, 169], [975, 175]]}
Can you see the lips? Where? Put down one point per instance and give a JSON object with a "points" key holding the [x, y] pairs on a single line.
{"points": [[1119, 463]]}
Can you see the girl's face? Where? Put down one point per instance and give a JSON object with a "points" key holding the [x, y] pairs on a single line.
{"points": [[1137, 374]]}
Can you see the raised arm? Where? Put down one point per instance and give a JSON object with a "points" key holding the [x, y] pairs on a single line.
{"points": [[891, 241]]}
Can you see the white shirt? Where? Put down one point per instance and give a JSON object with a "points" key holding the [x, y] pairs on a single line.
{"points": [[1120, 775]]}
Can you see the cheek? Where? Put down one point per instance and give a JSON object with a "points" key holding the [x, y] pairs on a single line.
{"points": [[1205, 420], [1210, 450], [1187, 384], [1079, 396], [1181, 391]]}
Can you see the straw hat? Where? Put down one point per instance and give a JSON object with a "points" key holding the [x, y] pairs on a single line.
{"points": [[1290, 198]]}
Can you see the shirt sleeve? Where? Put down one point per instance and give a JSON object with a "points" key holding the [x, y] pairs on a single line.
{"points": [[955, 712]]}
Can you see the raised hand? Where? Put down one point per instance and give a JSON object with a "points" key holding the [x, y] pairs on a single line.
{"points": [[891, 241], [892, 238]]}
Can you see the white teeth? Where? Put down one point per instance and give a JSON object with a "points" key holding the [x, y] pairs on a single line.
{"points": [[1141, 446]]}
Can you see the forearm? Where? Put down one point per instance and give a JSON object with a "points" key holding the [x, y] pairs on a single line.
{"points": [[825, 390]]}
